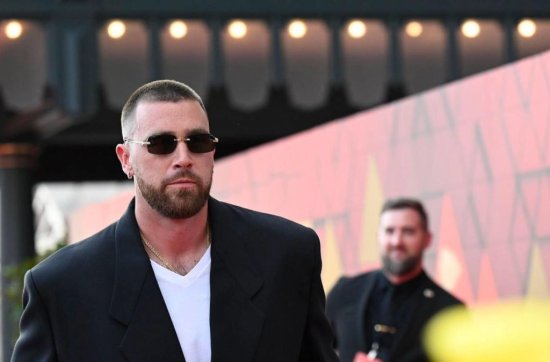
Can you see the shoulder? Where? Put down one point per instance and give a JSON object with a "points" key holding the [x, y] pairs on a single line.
{"points": [[347, 288], [243, 214], [81, 258], [441, 296], [269, 225], [351, 282], [272, 242]]}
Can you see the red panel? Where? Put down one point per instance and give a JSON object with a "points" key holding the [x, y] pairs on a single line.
{"points": [[487, 291], [476, 151], [482, 144], [545, 254], [542, 217]]}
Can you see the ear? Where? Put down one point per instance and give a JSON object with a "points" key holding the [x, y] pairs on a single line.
{"points": [[123, 155], [428, 240]]}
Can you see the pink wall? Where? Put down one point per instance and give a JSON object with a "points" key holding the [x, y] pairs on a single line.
{"points": [[477, 152], [88, 220]]}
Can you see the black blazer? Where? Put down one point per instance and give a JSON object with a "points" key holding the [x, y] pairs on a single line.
{"points": [[98, 300], [347, 304]]}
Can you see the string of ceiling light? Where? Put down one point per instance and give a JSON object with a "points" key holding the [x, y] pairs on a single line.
{"points": [[297, 29]]}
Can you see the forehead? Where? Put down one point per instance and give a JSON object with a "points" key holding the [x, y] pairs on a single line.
{"points": [[400, 217], [170, 116]]}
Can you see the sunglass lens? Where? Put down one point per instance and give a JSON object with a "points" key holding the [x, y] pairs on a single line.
{"points": [[201, 143], [162, 144]]}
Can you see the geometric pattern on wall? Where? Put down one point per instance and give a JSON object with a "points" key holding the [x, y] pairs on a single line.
{"points": [[476, 151]]}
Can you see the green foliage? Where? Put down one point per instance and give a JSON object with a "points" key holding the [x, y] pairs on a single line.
{"points": [[13, 285]]}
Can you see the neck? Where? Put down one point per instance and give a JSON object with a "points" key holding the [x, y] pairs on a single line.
{"points": [[400, 279], [173, 237], [178, 245]]}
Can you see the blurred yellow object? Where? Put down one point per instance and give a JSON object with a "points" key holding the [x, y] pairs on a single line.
{"points": [[504, 332]]}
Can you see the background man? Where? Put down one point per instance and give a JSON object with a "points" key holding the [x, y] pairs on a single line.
{"points": [[379, 315], [181, 276]]}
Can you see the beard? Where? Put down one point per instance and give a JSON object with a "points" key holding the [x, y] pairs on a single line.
{"points": [[400, 267], [180, 204]]}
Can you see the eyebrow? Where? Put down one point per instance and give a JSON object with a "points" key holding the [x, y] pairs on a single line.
{"points": [[171, 133], [406, 227], [197, 130]]}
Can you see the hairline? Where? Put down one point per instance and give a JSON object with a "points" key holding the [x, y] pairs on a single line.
{"points": [[157, 91], [408, 203]]}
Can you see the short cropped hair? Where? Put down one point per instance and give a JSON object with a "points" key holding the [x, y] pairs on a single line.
{"points": [[160, 91], [407, 203]]}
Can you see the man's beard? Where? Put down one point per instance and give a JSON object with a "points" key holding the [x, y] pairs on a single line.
{"points": [[180, 204], [399, 268]]}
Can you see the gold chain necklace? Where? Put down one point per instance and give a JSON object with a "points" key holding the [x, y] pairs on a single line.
{"points": [[166, 264]]}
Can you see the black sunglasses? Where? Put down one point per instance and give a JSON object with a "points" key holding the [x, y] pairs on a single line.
{"points": [[164, 144]]}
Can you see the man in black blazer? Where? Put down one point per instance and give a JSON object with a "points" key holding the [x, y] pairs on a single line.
{"points": [[380, 315], [181, 276]]}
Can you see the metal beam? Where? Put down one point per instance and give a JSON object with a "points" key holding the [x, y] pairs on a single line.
{"points": [[282, 8]]}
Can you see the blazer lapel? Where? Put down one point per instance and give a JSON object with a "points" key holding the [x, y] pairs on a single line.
{"points": [[137, 302], [363, 302], [235, 322], [423, 306]]}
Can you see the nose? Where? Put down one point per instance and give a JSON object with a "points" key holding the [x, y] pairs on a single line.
{"points": [[182, 156], [396, 238]]}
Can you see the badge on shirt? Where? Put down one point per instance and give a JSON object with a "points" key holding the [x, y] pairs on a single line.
{"points": [[428, 293]]}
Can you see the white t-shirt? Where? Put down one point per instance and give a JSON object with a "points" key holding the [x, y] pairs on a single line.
{"points": [[187, 298]]}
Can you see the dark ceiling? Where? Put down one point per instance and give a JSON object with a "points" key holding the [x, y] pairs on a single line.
{"points": [[82, 146]]}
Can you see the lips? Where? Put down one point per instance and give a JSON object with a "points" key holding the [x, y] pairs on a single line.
{"points": [[183, 178], [182, 181], [397, 253]]}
